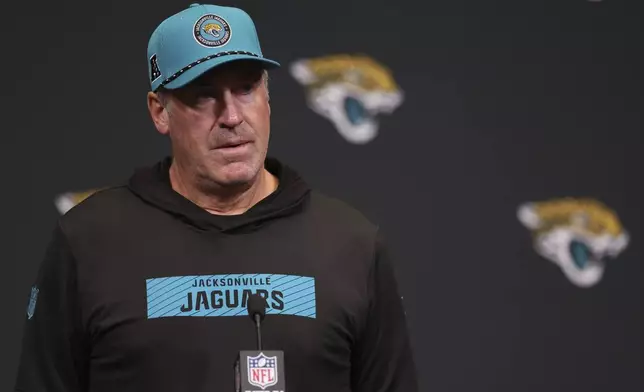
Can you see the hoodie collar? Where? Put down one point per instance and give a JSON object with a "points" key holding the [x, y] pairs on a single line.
{"points": [[152, 184]]}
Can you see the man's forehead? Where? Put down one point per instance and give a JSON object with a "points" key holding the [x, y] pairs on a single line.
{"points": [[231, 71]]}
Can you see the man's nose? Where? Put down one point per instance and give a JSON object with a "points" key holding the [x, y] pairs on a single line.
{"points": [[230, 115]]}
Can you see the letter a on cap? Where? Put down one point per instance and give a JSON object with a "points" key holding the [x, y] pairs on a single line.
{"points": [[155, 73]]}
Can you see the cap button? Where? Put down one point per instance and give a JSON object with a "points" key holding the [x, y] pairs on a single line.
{"points": [[194, 5]]}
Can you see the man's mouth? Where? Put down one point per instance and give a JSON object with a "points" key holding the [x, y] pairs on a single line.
{"points": [[234, 144]]}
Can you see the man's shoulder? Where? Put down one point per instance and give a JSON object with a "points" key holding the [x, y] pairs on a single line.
{"points": [[339, 213], [100, 198], [99, 207]]}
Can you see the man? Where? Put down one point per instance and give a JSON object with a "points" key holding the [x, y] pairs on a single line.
{"points": [[144, 286]]}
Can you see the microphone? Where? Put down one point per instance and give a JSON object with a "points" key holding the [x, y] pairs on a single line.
{"points": [[259, 370], [257, 311]]}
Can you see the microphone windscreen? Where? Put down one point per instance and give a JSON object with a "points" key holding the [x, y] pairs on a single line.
{"points": [[257, 305]]}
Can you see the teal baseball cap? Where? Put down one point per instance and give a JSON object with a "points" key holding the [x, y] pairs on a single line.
{"points": [[199, 38]]}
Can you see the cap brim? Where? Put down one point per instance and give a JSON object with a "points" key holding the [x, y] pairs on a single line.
{"points": [[199, 69]]}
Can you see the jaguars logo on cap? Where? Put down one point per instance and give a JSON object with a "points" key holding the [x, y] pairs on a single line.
{"points": [[212, 31]]}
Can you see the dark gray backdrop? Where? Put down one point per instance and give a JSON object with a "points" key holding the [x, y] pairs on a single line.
{"points": [[505, 102]]}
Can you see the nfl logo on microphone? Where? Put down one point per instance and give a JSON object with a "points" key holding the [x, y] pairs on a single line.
{"points": [[262, 371]]}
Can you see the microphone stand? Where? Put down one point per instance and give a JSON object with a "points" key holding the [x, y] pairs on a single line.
{"points": [[259, 332]]}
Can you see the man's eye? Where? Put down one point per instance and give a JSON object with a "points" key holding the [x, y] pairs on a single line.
{"points": [[246, 88]]}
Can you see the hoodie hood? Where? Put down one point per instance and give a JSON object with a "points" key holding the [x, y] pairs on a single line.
{"points": [[152, 185]]}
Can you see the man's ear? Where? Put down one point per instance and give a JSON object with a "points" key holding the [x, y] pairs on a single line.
{"points": [[158, 112]]}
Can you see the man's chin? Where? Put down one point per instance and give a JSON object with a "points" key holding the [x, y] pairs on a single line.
{"points": [[237, 173]]}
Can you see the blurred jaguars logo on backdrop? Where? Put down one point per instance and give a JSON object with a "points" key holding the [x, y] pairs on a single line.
{"points": [[68, 200], [578, 235], [350, 91]]}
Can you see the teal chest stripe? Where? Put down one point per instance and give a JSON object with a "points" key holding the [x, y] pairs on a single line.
{"points": [[227, 295]]}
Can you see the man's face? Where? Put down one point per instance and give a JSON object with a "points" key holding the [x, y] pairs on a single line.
{"points": [[219, 124]]}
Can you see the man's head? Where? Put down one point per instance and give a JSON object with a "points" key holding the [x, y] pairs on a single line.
{"points": [[210, 95]]}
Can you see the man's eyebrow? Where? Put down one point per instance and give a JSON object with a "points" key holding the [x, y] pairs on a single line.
{"points": [[204, 84]]}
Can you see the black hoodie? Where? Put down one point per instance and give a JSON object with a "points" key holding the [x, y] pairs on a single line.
{"points": [[142, 290]]}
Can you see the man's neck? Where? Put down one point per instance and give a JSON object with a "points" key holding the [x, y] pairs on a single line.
{"points": [[221, 201]]}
